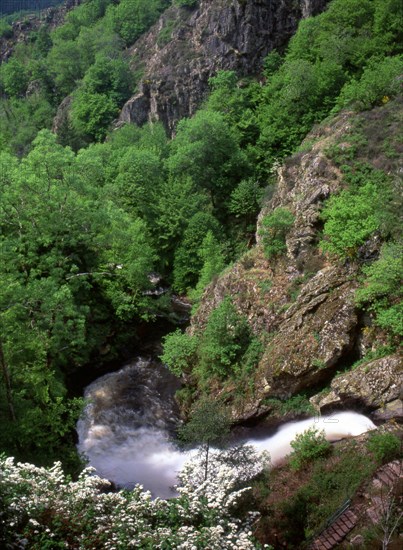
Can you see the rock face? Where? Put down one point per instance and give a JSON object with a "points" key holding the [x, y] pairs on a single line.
{"points": [[317, 331], [51, 17], [188, 46], [372, 384], [303, 302]]}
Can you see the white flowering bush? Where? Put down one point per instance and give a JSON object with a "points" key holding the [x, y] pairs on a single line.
{"points": [[43, 509]]}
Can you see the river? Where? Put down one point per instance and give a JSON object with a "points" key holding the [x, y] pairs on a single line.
{"points": [[126, 431]]}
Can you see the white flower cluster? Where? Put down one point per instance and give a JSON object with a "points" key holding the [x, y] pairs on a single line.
{"points": [[41, 507]]}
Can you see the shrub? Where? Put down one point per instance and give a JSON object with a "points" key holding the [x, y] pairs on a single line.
{"points": [[130, 18], [224, 342], [179, 351], [275, 227], [382, 289], [213, 263], [92, 113], [245, 200], [308, 446], [46, 509], [384, 446], [350, 218], [379, 81], [6, 30]]}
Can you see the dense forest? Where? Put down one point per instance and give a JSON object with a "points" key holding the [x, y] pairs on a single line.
{"points": [[89, 212]]}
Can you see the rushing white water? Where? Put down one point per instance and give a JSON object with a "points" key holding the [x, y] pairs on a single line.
{"points": [[124, 432], [336, 426]]}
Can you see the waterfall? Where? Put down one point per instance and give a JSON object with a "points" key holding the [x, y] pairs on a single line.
{"points": [[126, 429]]}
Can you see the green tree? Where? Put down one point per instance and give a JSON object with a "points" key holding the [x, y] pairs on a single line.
{"points": [[382, 290], [66, 65], [21, 119], [179, 352], [350, 218], [274, 229], [245, 202], [91, 114], [207, 150], [174, 202], [14, 78], [129, 258], [43, 41], [67, 262], [208, 426], [212, 255], [139, 178], [133, 17], [186, 3], [111, 77], [223, 343], [379, 81], [237, 103], [189, 258], [6, 30]]}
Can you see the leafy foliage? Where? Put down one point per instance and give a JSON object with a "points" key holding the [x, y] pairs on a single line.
{"points": [[207, 150], [223, 343], [62, 252], [92, 114], [382, 288], [186, 3], [14, 78], [274, 228], [130, 18], [307, 447], [379, 81], [350, 219], [225, 349], [213, 260], [384, 446], [191, 254], [179, 351], [79, 232]]}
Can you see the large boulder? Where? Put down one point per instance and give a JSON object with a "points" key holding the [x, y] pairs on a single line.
{"points": [[372, 385]]}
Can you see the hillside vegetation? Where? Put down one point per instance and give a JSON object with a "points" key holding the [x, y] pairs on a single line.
{"points": [[87, 214]]}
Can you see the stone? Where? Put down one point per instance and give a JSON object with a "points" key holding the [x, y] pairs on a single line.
{"points": [[375, 385], [217, 35], [390, 411]]}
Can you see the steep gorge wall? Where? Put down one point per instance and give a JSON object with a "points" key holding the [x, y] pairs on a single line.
{"points": [[186, 47], [302, 303]]}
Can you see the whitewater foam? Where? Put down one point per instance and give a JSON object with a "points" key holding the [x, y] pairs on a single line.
{"points": [[129, 443]]}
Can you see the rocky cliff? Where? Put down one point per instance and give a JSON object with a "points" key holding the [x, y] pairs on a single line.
{"points": [[303, 302], [51, 17], [188, 46]]}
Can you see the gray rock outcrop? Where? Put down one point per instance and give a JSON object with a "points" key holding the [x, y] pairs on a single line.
{"points": [[186, 47]]}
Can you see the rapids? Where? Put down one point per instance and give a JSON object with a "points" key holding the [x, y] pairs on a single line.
{"points": [[126, 430]]}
